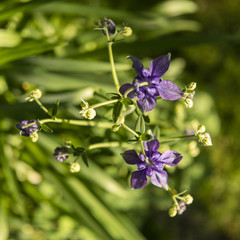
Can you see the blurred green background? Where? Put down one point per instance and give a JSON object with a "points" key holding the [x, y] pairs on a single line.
{"points": [[51, 45]]}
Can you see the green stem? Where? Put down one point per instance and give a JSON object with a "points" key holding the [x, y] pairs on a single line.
{"points": [[103, 103], [42, 107], [77, 122], [132, 88], [106, 145], [168, 139], [130, 130], [114, 73]]}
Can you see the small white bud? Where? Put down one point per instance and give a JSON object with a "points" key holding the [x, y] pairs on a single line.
{"points": [[88, 113], [188, 199], [205, 139], [36, 93], [188, 102], [75, 167], [172, 211]]}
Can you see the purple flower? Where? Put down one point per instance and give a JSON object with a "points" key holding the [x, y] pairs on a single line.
{"points": [[111, 26], [152, 166], [155, 87], [27, 131], [61, 153]]}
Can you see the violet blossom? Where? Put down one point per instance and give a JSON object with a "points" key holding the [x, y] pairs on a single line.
{"points": [[111, 26], [27, 130], [61, 154], [156, 86], [151, 164]]}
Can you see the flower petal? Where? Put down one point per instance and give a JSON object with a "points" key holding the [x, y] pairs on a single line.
{"points": [[137, 65], [147, 103], [171, 158], [131, 157], [125, 87], [138, 179], [151, 145], [160, 179], [169, 91], [160, 65]]}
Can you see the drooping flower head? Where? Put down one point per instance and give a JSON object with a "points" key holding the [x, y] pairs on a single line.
{"points": [[111, 26], [61, 153], [27, 131], [155, 85], [151, 166]]}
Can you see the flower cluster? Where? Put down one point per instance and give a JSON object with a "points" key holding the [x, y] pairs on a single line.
{"points": [[148, 84], [28, 127], [151, 164], [203, 137], [61, 154]]}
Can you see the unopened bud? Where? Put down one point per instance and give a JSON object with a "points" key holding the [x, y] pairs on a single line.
{"points": [[37, 93], [127, 31], [188, 102], [205, 139], [172, 211], [84, 104], [75, 167], [116, 127], [181, 207], [201, 129], [188, 199], [88, 113], [191, 86], [121, 119], [34, 136]]}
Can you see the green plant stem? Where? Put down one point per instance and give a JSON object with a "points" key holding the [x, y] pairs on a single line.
{"points": [[107, 145], [42, 107], [103, 103], [110, 52], [130, 130], [168, 139], [132, 88], [77, 122]]}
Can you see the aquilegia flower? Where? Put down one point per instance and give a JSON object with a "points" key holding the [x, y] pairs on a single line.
{"points": [[61, 153], [27, 131], [152, 166], [155, 87]]}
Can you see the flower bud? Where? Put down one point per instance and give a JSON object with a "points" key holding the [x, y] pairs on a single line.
{"points": [[34, 136], [110, 24], [188, 102], [88, 113], [172, 211], [205, 139], [188, 199], [121, 119], [115, 127], [75, 167], [201, 129], [191, 86], [84, 105], [181, 207], [127, 31]]}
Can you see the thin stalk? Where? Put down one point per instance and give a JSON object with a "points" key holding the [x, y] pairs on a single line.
{"points": [[106, 145], [42, 107], [130, 130], [168, 139], [103, 103]]}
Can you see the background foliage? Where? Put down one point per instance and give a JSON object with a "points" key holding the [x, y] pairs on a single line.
{"points": [[52, 45]]}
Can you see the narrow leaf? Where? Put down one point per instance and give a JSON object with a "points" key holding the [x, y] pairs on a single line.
{"points": [[117, 110], [140, 124], [146, 137], [46, 129], [85, 159], [127, 101], [55, 109]]}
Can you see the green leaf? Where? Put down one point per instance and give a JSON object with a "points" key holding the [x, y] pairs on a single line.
{"points": [[46, 129], [55, 109], [78, 151], [127, 101], [146, 118], [140, 124], [156, 132], [117, 110], [85, 159], [146, 137]]}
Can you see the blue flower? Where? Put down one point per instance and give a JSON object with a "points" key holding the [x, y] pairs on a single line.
{"points": [[27, 131], [155, 87], [152, 166], [61, 153]]}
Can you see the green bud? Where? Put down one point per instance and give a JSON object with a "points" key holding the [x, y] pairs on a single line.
{"points": [[121, 119], [127, 31], [201, 129], [84, 104], [34, 136], [172, 211], [188, 102], [75, 167], [188, 199], [116, 127], [36, 93], [191, 86]]}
